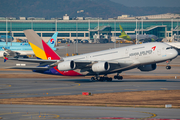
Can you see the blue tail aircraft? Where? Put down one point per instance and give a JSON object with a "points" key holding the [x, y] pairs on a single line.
{"points": [[23, 49]]}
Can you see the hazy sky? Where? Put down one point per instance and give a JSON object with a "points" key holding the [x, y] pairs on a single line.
{"points": [[149, 3]]}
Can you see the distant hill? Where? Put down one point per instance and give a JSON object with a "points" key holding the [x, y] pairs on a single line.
{"points": [[92, 8]]}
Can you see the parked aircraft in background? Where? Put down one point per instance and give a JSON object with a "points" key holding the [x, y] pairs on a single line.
{"points": [[14, 43], [141, 56], [3, 38], [23, 49], [132, 38]]}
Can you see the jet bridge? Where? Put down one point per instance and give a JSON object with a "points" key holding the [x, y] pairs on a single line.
{"points": [[101, 34]]}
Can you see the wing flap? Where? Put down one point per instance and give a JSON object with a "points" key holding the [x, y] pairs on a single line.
{"points": [[114, 65], [28, 68], [80, 64], [34, 60]]}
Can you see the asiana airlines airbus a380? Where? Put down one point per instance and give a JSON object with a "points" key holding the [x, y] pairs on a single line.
{"points": [[101, 63]]}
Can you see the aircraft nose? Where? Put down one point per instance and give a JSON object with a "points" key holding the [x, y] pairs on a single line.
{"points": [[172, 53]]}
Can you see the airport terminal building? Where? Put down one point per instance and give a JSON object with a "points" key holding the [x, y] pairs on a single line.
{"points": [[86, 28]]}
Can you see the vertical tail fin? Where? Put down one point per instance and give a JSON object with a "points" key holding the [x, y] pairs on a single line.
{"points": [[52, 41], [123, 34], [122, 31], [39, 47]]}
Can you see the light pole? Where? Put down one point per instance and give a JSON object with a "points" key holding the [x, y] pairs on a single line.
{"points": [[136, 31], [31, 23], [76, 38], [81, 11], [6, 30], [31, 18], [114, 33], [11, 29], [142, 26], [89, 29], [171, 29], [177, 31], [98, 28], [56, 29]]}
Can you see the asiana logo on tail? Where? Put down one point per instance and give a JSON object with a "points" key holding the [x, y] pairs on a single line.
{"points": [[52, 41]]}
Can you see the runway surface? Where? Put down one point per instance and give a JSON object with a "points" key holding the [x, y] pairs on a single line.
{"points": [[27, 112], [18, 88]]}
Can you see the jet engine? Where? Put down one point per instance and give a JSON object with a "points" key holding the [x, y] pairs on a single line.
{"points": [[66, 65], [149, 67], [100, 67], [3, 54]]}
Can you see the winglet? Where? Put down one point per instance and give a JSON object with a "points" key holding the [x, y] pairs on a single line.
{"points": [[40, 48]]}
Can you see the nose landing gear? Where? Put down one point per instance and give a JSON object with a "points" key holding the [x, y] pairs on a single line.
{"points": [[168, 67]]}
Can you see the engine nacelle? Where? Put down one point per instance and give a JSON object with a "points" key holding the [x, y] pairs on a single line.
{"points": [[66, 65], [100, 67], [3, 54], [149, 67]]}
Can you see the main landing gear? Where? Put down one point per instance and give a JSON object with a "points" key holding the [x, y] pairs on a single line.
{"points": [[168, 67], [104, 78], [118, 77]]}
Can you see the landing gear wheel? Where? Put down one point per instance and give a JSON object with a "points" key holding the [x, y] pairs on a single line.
{"points": [[105, 79], [92, 79], [168, 67], [118, 77]]}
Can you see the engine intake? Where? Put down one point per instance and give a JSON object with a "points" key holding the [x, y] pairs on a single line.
{"points": [[149, 67], [100, 67], [66, 65]]}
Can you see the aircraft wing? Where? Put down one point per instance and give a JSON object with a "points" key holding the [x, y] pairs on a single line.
{"points": [[34, 60], [174, 44], [84, 65], [114, 65], [50, 63], [10, 52], [28, 68]]}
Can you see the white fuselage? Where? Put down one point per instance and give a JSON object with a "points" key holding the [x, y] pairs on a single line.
{"points": [[141, 54]]}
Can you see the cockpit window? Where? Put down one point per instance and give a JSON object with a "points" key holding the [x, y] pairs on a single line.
{"points": [[169, 48]]}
